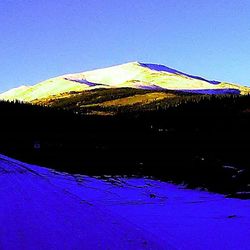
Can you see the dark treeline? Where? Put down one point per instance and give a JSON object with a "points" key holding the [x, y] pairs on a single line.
{"points": [[200, 140]]}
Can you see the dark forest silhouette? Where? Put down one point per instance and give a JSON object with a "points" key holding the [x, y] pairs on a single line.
{"points": [[197, 139]]}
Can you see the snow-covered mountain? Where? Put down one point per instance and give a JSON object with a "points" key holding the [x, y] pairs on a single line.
{"points": [[133, 75], [44, 209]]}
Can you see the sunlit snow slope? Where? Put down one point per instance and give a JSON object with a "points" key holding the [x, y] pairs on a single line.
{"points": [[134, 75], [44, 209]]}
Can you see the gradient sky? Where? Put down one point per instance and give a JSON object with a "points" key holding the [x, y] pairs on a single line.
{"points": [[45, 38]]}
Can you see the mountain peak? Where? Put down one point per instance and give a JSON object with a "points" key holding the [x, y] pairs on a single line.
{"points": [[133, 74]]}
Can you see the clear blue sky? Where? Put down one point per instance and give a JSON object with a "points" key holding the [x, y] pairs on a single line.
{"points": [[46, 38]]}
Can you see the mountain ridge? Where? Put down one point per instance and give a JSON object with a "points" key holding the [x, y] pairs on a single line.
{"points": [[137, 75]]}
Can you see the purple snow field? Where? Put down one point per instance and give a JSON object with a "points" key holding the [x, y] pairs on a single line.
{"points": [[212, 91], [151, 87], [158, 67], [44, 209], [84, 81]]}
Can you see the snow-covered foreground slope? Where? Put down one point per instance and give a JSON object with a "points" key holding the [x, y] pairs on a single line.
{"points": [[132, 75], [43, 209]]}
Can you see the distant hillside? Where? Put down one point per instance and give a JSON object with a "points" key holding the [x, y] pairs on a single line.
{"points": [[114, 100], [135, 75]]}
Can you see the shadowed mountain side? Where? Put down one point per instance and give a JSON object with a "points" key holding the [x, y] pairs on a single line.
{"points": [[159, 67]]}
